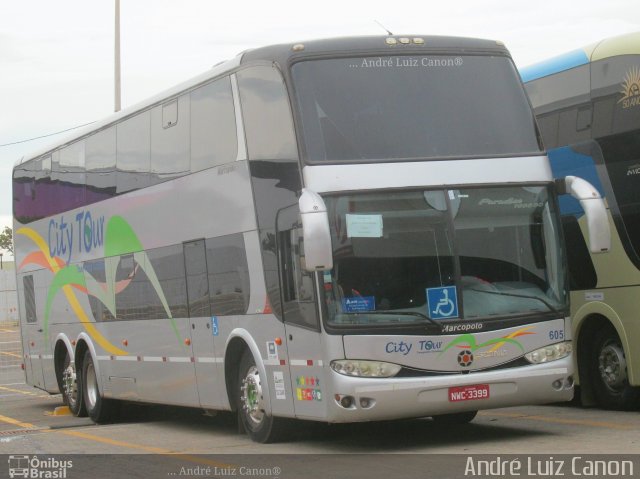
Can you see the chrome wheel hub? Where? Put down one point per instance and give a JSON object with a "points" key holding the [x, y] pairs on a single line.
{"points": [[613, 366], [251, 396], [69, 384]]}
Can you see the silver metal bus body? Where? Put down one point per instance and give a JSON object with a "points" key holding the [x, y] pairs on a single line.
{"points": [[262, 241]]}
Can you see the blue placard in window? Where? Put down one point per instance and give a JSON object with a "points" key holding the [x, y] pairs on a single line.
{"points": [[359, 304], [442, 303]]}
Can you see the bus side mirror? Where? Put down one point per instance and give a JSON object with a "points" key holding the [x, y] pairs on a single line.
{"points": [[318, 254], [594, 209]]}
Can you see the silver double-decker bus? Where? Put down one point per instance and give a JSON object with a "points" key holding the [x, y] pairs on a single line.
{"points": [[338, 230]]}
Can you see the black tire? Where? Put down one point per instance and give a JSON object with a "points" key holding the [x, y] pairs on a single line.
{"points": [[607, 369], [71, 387], [99, 409], [455, 418], [252, 417]]}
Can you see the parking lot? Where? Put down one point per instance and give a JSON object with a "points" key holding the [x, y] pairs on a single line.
{"points": [[29, 424]]}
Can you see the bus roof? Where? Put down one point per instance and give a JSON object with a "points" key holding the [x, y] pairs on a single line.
{"points": [[287, 52], [379, 44], [628, 44], [217, 70]]}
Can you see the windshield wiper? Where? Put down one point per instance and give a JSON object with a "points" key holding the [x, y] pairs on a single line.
{"points": [[403, 313], [524, 296]]}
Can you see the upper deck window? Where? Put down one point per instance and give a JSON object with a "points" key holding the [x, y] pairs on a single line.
{"points": [[412, 107], [266, 113]]}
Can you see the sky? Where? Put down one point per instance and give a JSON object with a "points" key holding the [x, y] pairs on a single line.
{"points": [[56, 58]]}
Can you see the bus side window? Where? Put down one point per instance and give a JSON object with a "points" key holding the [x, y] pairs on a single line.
{"points": [[29, 299], [170, 139], [266, 114], [69, 174], [548, 125], [213, 125], [133, 150], [297, 284], [228, 271], [195, 261], [100, 161], [582, 273]]}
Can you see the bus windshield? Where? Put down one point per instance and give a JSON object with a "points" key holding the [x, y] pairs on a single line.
{"points": [[425, 256], [412, 107]]}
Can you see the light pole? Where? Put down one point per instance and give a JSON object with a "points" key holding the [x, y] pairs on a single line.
{"points": [[117, 58]]}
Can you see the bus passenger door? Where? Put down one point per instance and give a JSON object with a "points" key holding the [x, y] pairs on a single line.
{"points": [[207, 371], [302, 321]]}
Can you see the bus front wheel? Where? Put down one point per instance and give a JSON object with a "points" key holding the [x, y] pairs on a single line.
{"points": [[608, 370], [259, 426]]}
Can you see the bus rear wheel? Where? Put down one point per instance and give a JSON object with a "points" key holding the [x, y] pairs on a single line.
{"points": [[608, 371], [99, 409], [259, 426], [71, 388]]}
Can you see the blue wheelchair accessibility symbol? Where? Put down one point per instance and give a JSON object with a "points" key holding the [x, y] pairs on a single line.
{"points": [[214, 326], [442, 303]]}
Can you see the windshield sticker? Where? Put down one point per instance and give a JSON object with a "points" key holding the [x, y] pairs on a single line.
{"points": [[515, 202], [442, 303], [406, 62], [631, 89], [359, 304], [364, 226]]}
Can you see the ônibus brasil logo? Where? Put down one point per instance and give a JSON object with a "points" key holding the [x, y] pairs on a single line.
{"points": [[37, 468]]}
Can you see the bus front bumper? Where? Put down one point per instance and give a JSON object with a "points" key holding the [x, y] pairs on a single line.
{"points": [[364, 399]]}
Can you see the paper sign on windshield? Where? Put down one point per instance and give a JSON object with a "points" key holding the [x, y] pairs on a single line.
{"points": [[364, 226]]}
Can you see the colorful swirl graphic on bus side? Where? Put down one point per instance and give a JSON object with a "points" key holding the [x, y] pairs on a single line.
{"points": [[468, 341], [120, 239]]}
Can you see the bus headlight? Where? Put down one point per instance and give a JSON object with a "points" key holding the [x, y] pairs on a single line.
{"points": [[365, 369], [550, 353]]}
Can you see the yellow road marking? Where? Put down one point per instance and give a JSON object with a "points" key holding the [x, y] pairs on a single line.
{"points": [[554, 420], [26, 393], [141, 447], [152, 449], [15, 422], [115, 442], [15, 355]]}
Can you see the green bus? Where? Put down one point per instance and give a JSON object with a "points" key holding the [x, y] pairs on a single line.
{"points": [[587, 103]]}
